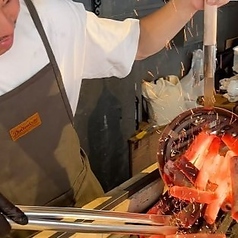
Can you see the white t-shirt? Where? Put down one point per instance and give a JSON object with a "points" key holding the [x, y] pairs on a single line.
{"points": [[84, 45]]}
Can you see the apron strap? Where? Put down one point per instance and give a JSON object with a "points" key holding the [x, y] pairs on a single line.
{"points": [[40, 29]]}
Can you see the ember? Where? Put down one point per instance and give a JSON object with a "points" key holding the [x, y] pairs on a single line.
{"points": [[198, 160], [213, 168]]}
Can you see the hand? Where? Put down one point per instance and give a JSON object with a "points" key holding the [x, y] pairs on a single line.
{"points": [[198, 4], [11, 212], [174, 15]]}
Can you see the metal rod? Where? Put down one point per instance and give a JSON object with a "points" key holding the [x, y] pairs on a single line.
{"points": [[87, 214], [209, 72], [47, 218], [41, 224], [209, 41]]}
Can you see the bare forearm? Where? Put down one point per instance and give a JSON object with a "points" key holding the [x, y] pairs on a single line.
{"points": [[161, 26]]}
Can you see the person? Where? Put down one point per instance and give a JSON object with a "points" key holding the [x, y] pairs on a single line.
{"points": [[46, 49], [12, 212]]}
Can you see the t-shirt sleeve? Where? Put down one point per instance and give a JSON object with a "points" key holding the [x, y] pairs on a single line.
{"points": [[111, 46], [95, 47], [86, 46]]}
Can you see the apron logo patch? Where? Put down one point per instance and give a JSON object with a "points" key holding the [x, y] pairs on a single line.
{"points": [[25, 127]]}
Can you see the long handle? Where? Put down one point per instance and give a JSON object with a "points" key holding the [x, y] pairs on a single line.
{"points": [[209, 41], [42, 224], [99, 215], [210, 24], [94, 221]]}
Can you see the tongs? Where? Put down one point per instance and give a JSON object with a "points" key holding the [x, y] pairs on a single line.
{"points": [[71, 219]]}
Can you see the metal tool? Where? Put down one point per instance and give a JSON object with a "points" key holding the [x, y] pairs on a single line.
{"points": [[94, 221], [209, 48], [183, 129], [178, 135]]}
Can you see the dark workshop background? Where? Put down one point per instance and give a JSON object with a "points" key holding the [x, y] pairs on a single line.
{"points": [[110, 109]]}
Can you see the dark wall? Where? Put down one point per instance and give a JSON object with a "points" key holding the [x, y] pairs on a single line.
{"points": [[105, 118]]}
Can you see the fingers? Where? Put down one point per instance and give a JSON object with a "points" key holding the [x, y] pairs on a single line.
{"points": [[12, 212], [4, 226]]}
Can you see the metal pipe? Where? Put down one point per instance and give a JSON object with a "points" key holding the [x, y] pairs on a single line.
{"points": [[41, 224], [94, 221], [87, 214]]}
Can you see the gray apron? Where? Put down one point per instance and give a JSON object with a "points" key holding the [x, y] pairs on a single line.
{"points": [[41, 160]]}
